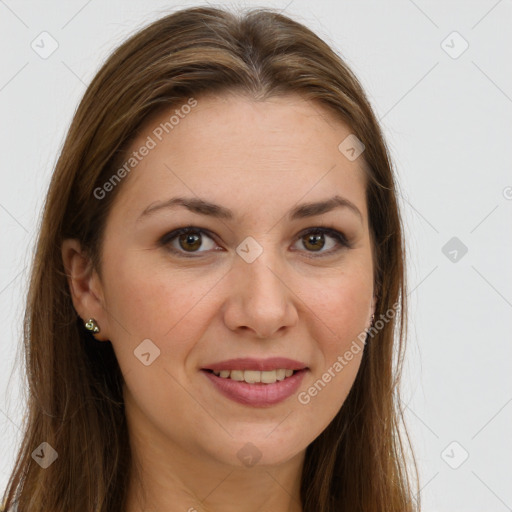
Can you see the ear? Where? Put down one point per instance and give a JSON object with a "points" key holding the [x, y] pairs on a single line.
{"points": [[372, 310], [374, 304], [85, 286]]}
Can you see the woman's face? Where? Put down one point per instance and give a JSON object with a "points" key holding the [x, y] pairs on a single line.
{"points": [[257, 283]]}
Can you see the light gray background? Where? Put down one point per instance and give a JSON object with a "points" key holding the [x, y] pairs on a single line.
{"points": [[448, 122]]}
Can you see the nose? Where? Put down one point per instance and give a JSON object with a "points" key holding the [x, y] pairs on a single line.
{"points": [[260, 300]]}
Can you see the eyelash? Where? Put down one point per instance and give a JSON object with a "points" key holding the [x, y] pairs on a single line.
{"points": [[337, 235]]}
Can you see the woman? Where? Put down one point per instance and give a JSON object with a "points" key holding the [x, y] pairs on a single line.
{"points": [[217, 311]]}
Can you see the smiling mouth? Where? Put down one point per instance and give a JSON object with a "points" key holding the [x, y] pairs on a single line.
{"points": [[256, 388], [255, 376]]}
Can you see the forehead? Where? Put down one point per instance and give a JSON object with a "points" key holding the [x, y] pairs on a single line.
{"points": [[242, 153]]}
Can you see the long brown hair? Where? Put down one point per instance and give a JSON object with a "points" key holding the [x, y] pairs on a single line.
{"points": [[358, 463]]}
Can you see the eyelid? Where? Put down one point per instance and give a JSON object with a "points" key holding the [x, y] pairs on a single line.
{"points": [[327, 230], [338, 236], [171, 235]]}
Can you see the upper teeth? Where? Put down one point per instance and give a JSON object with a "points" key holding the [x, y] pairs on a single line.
{"points": [[251, 376]]}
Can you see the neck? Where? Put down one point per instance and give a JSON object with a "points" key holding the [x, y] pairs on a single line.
{"points": [[209, 486], [180, 477]]}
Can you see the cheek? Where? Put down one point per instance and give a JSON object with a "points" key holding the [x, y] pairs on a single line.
{"points": [[165, 308], [156, 301], [339, 319], [341, 306]]}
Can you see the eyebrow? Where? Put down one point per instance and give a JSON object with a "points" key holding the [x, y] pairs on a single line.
{"points": [[202, 207]]}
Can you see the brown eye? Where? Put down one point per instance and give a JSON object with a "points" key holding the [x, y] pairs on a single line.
{"points": [[190, 241], [187, 241], [314, 242]]}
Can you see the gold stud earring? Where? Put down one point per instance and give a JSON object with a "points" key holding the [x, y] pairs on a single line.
{"points": [[91, 325]]}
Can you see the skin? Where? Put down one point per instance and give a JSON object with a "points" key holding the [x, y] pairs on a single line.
{"points": [[259, 159]]}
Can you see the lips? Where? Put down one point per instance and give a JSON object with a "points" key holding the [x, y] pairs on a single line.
{"points": [[254, 376], [247, 363], [256, 382], [256, 394]]}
